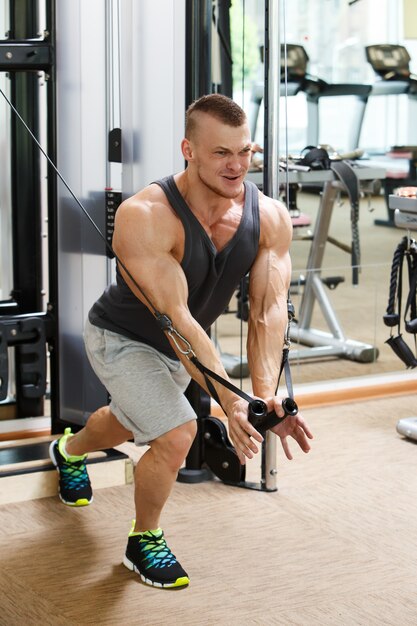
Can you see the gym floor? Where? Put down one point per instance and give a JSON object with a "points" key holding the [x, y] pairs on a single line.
{"points": [[335, 545]]}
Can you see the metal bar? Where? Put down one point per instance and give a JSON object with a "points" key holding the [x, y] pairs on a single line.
{"points": [[26, 208], [315, 258], [24, 19], [25, 56], [198, 58], [327, 345], [326, 308], [52, 193], [272, 60], [8, 307]]}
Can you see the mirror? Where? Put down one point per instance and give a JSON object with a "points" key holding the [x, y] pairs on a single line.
{"points": [[333, 97]]}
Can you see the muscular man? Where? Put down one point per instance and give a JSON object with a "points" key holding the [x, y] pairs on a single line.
{"points": [[187, 240]]}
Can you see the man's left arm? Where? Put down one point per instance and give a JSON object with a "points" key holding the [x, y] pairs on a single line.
{"points": [[269, 283]]}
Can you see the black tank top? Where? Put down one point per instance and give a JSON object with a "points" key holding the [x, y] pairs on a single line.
{"points": [[212, 276]]}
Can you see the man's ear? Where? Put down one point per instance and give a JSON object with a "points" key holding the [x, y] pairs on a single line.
{"points": [[187, 150]]}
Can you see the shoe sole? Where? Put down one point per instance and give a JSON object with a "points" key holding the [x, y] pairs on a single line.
{"points": [[81, 501], [184, 581]]}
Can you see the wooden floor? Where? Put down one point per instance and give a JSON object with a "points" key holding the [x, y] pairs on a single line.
{"points": [[336, 545]]}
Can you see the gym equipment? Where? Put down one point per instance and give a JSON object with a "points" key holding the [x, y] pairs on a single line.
{"points": [[62, 267], [407, 427], [334, 343], [320, 344], [405, 251], [404, 206], [293, 69], [318, 89], [294, 66], [263, 420], [24, 58], [164, 322], [213, 448], [391, 64], [298, 173]]}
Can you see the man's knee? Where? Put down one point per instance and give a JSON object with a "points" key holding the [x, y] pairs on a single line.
{"points": [[175, 444]]}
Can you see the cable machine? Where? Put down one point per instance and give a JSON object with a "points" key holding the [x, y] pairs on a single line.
{"points": [[55, 70], [212, 451], [27, 74], [95, 91]]}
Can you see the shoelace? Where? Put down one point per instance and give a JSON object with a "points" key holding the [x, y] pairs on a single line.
{"points": [[74, 475], [156, 552]]}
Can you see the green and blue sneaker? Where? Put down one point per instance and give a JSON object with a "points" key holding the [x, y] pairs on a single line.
{"points": [[74, 483], [148, 555]]}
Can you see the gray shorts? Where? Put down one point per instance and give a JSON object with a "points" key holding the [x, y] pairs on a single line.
{"points": [[145, 386]]}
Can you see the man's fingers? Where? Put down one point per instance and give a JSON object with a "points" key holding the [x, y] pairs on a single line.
{"points": [[244, 443], [241, 457], [300, 434], [302, 431], [307, 431], [255, 434], [286, 448]]}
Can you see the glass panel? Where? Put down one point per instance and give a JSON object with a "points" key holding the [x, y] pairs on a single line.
{"points": [[334, 35]]}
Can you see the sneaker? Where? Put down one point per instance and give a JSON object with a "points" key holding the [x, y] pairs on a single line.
{"points": [[148, 555], [74, 483]]}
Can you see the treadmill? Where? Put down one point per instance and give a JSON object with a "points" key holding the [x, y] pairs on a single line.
{"points": [[391, 64]]}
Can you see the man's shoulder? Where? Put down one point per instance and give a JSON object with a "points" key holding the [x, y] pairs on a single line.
{"points": [[270, 207], [149, 218], [151, 199], [150, 193], [275, 220]]}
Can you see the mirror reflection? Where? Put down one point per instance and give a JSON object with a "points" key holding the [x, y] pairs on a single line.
{"points": [[347, 87]]}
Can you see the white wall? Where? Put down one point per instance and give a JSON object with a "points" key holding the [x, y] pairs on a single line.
{"points": [[152, 89]]}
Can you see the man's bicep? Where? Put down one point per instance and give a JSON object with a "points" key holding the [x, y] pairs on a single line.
{"points": [[271, 273], [161, 278]]}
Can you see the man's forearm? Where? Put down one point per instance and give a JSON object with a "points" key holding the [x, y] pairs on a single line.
{"points": [[264, 348], [206, 353]]}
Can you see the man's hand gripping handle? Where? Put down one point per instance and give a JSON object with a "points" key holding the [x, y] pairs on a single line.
{"points": [[262, 420]]}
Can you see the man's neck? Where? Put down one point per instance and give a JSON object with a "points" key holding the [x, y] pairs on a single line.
{"points": [[206, 204]]}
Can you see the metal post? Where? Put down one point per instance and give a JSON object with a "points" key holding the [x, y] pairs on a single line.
{"points": [[26, 198], [272, 62], [198, 83], [198, 49], [194, 472], [52, 192]]}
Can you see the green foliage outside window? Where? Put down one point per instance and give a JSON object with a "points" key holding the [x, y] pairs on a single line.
{"points": [[243, 30]]}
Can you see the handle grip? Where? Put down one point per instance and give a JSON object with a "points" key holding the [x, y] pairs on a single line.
{"points": [[262, 420]]}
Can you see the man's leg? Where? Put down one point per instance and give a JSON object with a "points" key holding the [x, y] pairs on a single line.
{"points": [[147, 552], [157, 471], [101, 431]]}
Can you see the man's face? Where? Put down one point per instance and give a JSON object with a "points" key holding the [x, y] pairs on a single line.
{"points": [[220, 155]]}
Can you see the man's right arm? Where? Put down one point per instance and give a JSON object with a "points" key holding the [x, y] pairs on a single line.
{"points": [[148, 240]]}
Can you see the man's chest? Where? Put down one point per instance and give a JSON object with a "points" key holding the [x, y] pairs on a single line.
{"points": [[224, 229]]}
